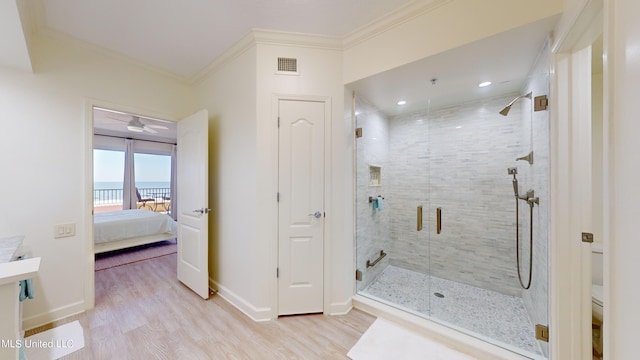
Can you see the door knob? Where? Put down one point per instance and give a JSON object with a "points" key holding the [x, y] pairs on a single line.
{"points": [[202, 211], [316, 214]]}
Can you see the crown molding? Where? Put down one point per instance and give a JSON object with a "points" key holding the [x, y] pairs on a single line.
{"points": [[273, 37], [416, 8], [238, 48], [392, 20], [268, 37]]}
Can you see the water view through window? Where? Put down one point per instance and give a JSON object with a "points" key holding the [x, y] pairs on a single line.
{"points": [[152, 180]]}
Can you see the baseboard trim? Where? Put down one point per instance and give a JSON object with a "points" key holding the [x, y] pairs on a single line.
{"points": [[340, 308], [34, 321], [254, 313]]}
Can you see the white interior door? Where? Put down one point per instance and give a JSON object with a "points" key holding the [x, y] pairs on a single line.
{"points": [[193, 195], [301, 207]]}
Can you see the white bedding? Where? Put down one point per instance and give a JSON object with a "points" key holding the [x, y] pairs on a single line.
{"points": [[126, 224]]}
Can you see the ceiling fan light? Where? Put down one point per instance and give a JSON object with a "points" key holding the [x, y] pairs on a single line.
{"points": [[135, 128]]}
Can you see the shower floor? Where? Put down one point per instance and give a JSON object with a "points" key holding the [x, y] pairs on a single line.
{"points": [[484, 312]]}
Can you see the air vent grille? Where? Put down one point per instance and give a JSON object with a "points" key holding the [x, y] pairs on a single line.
{"points": [[289, 65]]}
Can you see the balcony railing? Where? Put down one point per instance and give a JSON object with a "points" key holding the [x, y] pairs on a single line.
{"points": [[155, 199]]}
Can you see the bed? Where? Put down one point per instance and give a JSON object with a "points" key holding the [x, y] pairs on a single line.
{"points": [[121, 229]]}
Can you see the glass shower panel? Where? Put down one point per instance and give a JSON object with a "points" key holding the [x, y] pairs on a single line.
{"points": [[473, 257], [372, 177], [409, 163], [391, 198], [455, 160]]}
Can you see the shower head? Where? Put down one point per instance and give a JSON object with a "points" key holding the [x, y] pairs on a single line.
{"points": [[506, 109]]}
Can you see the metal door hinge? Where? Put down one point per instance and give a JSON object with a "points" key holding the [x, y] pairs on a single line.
{"points": [[358, 275], [278, 197], [542, 333], [278, 121], [540, 103], [587, 237], [277, 272], [359, 132]]}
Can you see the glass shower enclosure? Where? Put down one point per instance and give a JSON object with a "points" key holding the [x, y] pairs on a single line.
{"points": [[446, 229]]}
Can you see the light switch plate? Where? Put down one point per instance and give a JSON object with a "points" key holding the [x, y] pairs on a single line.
{"points": [[64, 230]]}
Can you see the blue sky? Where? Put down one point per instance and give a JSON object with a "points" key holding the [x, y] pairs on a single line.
{"points": [[109, 166]]}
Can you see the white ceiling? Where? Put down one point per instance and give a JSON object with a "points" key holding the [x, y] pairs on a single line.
{"points": [[114, 123], [504, 59], [185, 36]]}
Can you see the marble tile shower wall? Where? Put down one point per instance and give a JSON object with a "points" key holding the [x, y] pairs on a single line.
{"points": [[372, 230], [456, 158]]}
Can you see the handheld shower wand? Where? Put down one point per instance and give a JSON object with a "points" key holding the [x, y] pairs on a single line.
{"points": [[531, 200]]}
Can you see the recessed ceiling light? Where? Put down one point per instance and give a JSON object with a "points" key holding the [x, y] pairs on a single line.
{"points": [[401, 102], [483, 84]]}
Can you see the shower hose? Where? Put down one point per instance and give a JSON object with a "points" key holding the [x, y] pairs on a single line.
{"points": [[530, 243]]}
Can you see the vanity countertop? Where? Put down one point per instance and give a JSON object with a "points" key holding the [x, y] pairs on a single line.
{"points": [[8, 247]]}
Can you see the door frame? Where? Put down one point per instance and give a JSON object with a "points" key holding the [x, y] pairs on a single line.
{"points": [[570, 211], [88, 244], [275, 100]]}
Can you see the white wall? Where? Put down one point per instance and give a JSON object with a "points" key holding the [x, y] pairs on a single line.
{"points": [[44, 156], [239, 93], [622, 71], [320, 69], [229, 95], [596, 143]]}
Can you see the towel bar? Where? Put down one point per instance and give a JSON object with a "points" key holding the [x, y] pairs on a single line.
{"points": [[374, 262], [371, 198]]}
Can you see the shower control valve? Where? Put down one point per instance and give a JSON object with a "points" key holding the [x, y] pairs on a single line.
{"points": [[531, 198]]}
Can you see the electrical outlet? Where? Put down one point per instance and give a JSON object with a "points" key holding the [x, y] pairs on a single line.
{"points": [[64, 230]]}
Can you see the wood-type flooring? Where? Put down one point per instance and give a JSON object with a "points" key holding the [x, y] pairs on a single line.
{"points": [[143, 312]]}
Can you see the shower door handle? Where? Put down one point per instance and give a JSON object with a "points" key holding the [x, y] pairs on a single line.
{"points": [[438, 220]]}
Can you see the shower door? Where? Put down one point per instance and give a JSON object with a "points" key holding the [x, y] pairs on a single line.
{"points": [[471, 147], [473, 269]]}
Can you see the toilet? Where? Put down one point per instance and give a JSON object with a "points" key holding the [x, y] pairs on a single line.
{"points": [[597, 266]]}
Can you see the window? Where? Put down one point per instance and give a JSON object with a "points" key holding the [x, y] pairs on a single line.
{"points": [[108, 176], [153, 176]]}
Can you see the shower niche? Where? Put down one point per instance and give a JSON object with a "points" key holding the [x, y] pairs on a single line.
{"points": [[375, 175], [449, 228]]}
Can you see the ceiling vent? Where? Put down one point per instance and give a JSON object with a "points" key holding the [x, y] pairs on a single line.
{"points": [[288, 66]]}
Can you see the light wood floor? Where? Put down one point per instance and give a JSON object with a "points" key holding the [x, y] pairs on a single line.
{"points": [[143, 312]]}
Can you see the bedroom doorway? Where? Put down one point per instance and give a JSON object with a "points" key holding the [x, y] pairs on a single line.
{"points": [[134, 172]]}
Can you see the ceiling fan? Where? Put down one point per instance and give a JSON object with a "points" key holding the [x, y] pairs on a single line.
{"points": [[136, 125]]}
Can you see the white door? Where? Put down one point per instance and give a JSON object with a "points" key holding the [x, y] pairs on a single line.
{"points": [[193, 195], [301, 207]]}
